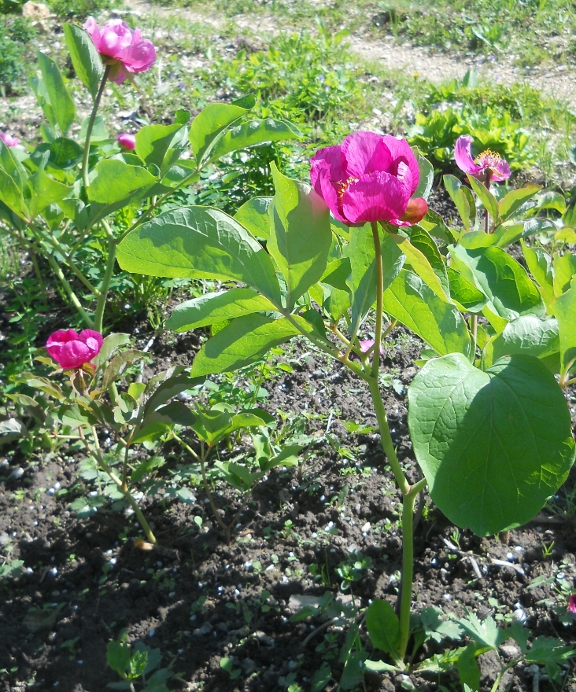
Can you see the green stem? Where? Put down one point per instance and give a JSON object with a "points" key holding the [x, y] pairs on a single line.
{"points": [[474, 336], [101, 304], [91, 126], [69, 291], [407, 571], [127, 495], [379, 301]]}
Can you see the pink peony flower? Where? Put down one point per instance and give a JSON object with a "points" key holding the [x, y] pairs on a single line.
{"points": [[369, 178], [487, 164], [71, 350], [127, 141], [572, 604], [121, 48], [8, 140]]}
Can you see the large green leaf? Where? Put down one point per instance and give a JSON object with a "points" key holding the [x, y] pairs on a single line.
{"points": [[44, 191], [437, 321], [542, 269], [513, 200], [383, 627], [465, 293], [62, 103], [12, 166], [153, 142], [493, 445], [211, 122], [564, 309], [501, 278], [300, 235], [244, 341], [199, 243], [217, 307], [564, 272], [116, 181], [251, 133], [422, 241], [465, 207], [85, 58], [254, 216], [362, 279], [528, 335], [486, 197]]}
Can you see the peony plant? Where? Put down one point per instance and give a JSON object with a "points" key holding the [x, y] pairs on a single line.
{"points": [[346, 259]]}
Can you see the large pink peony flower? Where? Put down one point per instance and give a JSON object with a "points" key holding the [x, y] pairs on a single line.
{"points": [[8, 140], [71, 350], [487, 164], [369, 178], [123, 49]]}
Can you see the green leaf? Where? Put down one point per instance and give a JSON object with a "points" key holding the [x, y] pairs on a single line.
{"points": [[199, 243], [493, 445], [64, 153], [118, 657], [250, 133], [128, 356], [153, 141], [513, 200], [421, 266], [85, 58], [456, 191], [337, 274], [41, 92], [111, 343], [116, 181], [467, 667], [541, 267], [501, 278], [484, 632], [465, 293], [211, 122], [487, 198], [44, 191], [362, 279], [564, 272], [254, 216], [383, 627], [436, 321], [11, 195], [564, 309], [423, 241], [244, 341], [300, 235], [426, 177], [12, 166], [59, 97], [546, 650], [99, 131], [526, 335], [217, 307]]}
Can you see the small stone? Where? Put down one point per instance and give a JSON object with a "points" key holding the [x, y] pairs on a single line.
{"points": [[248, 666], [35, 10]]}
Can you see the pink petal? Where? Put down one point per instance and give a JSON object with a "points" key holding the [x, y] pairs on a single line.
{"points": [[500, 171], [8, 140], [415, 211], [463, 155], [365, 152], [367, 344], [116, 35], [138, 57], [401, 153], [376, 197], [117, 73], [331, 157], [572, 604], [91, 28], [58, 340], [74, 354], [92, 339], [320, 174]]}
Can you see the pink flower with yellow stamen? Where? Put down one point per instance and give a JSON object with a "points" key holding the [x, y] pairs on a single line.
{"points": [[369, 178], [488, 166]]}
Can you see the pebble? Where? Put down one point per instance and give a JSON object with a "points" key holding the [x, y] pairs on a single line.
{"points": [[366, 527], [201, 631], [519, 615]]}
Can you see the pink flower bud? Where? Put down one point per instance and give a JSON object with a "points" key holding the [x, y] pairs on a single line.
{"points": [[127, 141], [122, 49], [71, 350], [572, 604], [8, 140]]}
